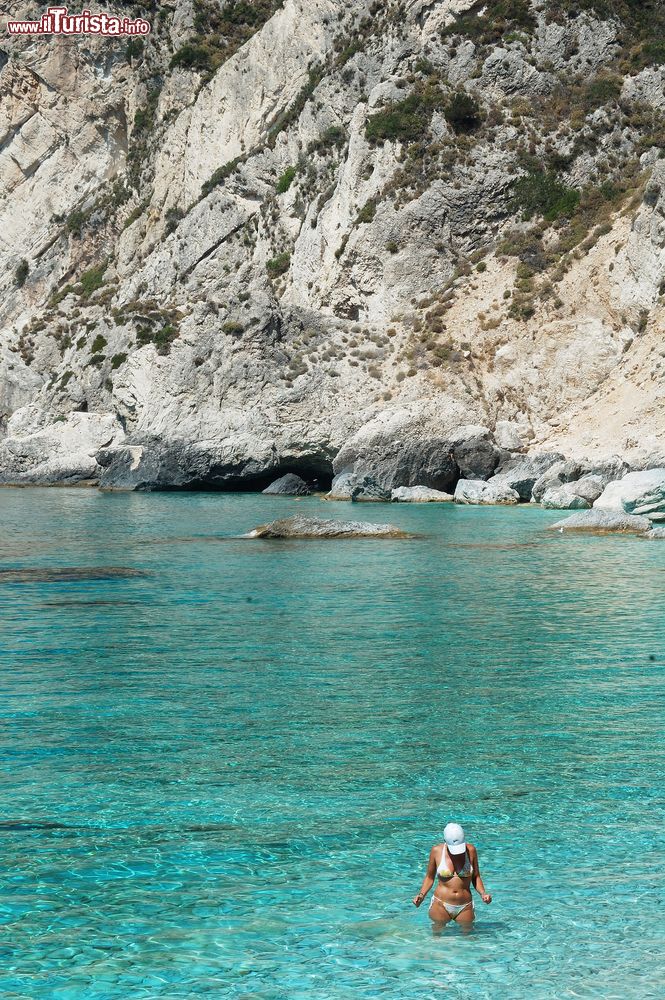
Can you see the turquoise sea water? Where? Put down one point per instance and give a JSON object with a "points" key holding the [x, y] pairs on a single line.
{"points": [[222, 777]]}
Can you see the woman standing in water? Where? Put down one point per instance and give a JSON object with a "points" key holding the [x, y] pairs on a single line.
{"points": [[455, 864]]}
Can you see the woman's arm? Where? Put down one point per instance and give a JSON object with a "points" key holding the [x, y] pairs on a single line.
{"points": [[428, 881], [477, 877]]}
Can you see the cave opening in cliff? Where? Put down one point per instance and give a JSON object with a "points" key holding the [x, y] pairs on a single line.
{"points": [[317, 475]]}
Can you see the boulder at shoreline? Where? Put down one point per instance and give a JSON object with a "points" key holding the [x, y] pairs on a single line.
{"points": [[637, 493], [521, 474], [477, 491], [578, 495], [420, 494], [289, 485], [316, 527]]}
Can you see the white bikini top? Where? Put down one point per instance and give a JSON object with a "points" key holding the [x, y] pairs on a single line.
{"points": [[444, 872]]}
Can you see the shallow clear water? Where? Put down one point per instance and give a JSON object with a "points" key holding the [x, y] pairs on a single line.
{"points": [[222, 777]]}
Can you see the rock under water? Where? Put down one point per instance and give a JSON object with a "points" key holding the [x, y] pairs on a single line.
{"points": [[603, 520], [316, 527], [68, 574]]}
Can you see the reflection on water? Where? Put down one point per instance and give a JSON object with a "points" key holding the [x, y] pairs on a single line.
{"points": [[222, 768]]}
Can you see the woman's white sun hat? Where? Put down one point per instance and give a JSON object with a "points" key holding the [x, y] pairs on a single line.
{"points": [[454, 838]]}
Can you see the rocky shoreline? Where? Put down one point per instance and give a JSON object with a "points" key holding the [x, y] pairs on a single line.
{"points": [[414, 466]]}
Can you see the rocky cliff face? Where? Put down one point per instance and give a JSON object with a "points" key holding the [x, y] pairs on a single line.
{"points": [[277, 234]]}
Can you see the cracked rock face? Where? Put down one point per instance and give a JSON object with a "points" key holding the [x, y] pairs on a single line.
{"points": [[390, 240]]}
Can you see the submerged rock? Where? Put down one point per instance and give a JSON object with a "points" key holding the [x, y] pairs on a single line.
{"points": [[289, 485], [68, 574], [636, 493], [316, 527], [603, 520], [420, 494], [477, 491]]}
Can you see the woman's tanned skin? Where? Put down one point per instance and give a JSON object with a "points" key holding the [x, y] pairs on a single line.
{"points": [[455, 890]]}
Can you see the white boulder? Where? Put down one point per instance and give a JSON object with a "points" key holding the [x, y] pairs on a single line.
{"points": [[477, 491], [419, 494], [637, 493]]}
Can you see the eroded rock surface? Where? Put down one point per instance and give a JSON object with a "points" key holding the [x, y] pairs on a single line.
{"points": [[271, 241], [313, 527], [603, 521], [636, 493], [476, 491]]}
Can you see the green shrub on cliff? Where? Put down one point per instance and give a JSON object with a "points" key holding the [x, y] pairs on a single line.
{"points": [[279, 265], [162, 338], [91, 280], [21, 274], [405, 120], [463, 112], [220, 175], [98, 344], [286, 180], [542, 193], [192, 56], [367, 212], [495, 20], [604, 89]]}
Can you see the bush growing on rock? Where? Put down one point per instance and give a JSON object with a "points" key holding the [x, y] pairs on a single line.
{"points": [[21, 273], [220, 175], [173, 219], [192, 56], [495, 20], [463, 112], [286, 180], [162, 338], [331, 138], [91, 281], [279, 265], [75, 221], [134, 48], [602, 90], [233, 328], [405, 120], [367, 212], [542, 193], [98, 344]]}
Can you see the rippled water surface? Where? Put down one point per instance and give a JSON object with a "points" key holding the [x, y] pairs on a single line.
{"points": [[223, 762]]}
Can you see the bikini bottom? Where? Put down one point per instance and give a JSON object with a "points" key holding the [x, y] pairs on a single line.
{"points": [[454, 909]]}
